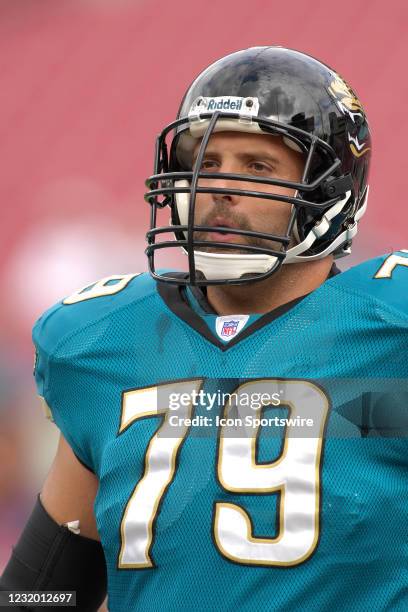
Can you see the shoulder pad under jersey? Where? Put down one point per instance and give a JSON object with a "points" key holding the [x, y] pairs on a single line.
{"points": [[71, 323], [91, 303], [384, 278]]}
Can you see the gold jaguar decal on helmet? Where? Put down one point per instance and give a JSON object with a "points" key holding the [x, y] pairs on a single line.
{"points": [[350, 105], [357, 148], [345, 97]]}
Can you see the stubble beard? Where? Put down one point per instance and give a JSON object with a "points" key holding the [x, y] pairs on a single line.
{"points": [[239, 221]]}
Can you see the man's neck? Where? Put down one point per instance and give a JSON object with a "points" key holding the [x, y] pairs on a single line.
{"points": [[290, 282]]}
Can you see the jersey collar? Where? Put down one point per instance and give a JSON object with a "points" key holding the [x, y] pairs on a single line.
{"points": [[176, 300]]}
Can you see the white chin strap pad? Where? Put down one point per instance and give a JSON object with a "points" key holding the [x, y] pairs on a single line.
{"points": [[216, 266]]}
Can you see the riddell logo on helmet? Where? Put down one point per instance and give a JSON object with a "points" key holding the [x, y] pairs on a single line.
{"points": [[224, 104]]}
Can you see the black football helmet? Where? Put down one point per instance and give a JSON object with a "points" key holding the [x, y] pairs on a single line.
{"points": [[263, 90]]}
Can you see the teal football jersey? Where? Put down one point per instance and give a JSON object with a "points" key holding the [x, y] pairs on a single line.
{"points": [[245, 462]]}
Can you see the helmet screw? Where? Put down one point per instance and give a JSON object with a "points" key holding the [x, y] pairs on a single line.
{"points": [[331, 190], [249, 103]]}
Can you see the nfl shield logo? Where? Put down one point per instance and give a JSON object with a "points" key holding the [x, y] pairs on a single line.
{"points": [[229, 328]]}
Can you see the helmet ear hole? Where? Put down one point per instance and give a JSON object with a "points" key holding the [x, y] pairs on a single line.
{"points": [[295, 230], [303, 224]]}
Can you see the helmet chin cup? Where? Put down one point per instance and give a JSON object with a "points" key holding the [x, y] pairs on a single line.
{"points": [[215, 266]]}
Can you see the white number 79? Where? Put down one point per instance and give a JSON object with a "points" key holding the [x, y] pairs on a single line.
{"points": [[295, 474]]}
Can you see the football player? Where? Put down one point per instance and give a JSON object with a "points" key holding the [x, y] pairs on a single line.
{"points": [[233, 433]]}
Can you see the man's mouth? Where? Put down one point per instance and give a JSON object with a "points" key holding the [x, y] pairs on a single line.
{"points": [[222, 236]]}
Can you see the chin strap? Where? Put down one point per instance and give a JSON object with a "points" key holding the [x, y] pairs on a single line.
{"points": [[293, 255], [215, 266]]}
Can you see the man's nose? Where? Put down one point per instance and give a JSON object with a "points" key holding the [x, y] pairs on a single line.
{"points": [[225, 183]]}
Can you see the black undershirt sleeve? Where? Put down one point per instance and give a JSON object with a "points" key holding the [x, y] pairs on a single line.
{"points": [[50, 557]]}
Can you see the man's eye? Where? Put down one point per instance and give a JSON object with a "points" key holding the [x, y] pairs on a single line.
{"points": [[260, 167], [208, 164]]}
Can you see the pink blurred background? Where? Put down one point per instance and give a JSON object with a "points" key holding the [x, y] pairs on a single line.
{"points": [[85, 86]]}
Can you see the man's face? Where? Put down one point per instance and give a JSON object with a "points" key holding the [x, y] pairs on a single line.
{"points": [[253, 154]]}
